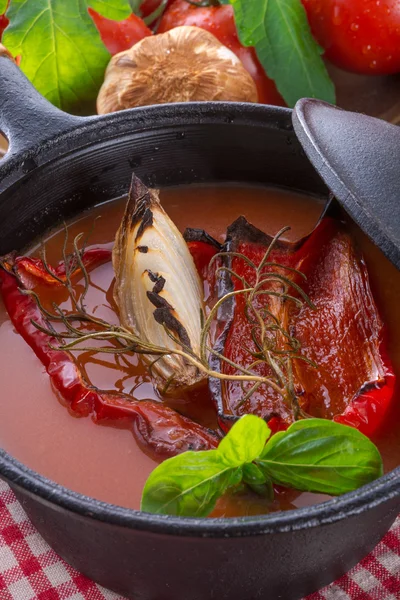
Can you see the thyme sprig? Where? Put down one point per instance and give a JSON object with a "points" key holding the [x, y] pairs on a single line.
{"points": [[274, 344]]}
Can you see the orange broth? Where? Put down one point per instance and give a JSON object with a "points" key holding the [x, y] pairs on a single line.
{"points": [[105, 462]]}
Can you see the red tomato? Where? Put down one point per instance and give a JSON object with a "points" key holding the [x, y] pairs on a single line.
{"points": [[3, 24], [219, 21], [118, 36], [358, 35]]}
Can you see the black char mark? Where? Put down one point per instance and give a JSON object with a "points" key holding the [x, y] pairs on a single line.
{"points": [[199, 235], [163, 313], [140, 203], [158, 280], [147, 221]]}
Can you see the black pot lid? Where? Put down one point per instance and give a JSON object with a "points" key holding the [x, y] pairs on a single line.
{"points": [[358, 157]]}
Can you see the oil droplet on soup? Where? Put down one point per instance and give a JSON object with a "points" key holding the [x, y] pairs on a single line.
{"points": [[105, 462]]}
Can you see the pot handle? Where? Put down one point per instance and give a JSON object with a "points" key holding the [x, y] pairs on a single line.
{"points": [[26, 117]]}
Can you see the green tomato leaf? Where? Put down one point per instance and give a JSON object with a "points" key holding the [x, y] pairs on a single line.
{"points": [[317, 455], [245, 441], [188, 484], [281, 35], [112, 9], [135, 6], [3, 6], [62, 53]]}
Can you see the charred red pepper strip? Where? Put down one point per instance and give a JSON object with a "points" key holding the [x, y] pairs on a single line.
{"points": [[354, 381], [118, 36], [31, 271], [202, 247], [367, 411], [202, 253], [159, 430]]}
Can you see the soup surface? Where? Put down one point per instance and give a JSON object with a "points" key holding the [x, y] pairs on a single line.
{"points": [[105, 462]]}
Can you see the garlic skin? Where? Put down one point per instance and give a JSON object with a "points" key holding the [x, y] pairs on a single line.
{"points": [[157, 283], [182, 65]]}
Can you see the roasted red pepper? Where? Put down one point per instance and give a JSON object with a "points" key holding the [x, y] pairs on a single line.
{"points": [[118, 36], [159, 430], [202, 247], [354, 381]]}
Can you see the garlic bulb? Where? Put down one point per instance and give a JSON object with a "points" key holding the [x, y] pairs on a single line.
{"points": [[157, 286], [184, 64]]}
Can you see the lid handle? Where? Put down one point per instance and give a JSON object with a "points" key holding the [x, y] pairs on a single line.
{"points": [[358, 158]]}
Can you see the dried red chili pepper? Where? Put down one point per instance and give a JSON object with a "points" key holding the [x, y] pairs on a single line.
{"points": [[354, 380], [31, 271], [158, 429], [118, 36]]}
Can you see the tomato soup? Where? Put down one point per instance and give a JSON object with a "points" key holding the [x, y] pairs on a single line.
{"points": [[105, 462]]}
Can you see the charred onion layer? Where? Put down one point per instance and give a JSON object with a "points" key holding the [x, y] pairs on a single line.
{"points": [[158, 290]]}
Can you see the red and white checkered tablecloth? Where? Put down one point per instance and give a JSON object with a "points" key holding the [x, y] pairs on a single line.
{"points": [[30, 570]]}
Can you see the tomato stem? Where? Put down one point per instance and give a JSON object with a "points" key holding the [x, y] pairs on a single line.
{"points": [[204, 3], [156, 14]]}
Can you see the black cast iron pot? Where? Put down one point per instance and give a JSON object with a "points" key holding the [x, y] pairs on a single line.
{"points": [[59, 165]]}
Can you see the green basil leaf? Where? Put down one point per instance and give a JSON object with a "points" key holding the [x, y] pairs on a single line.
{"points": [[3, 6], [281, 35], [258, 481], [253, 475], [317, 455], [245, 441], [62, 53], [188, 484]]}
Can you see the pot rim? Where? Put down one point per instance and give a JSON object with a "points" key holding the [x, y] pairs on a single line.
{"points": [[82, 133], [354, 503]]}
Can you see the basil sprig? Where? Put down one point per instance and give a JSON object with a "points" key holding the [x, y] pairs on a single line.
{"points": [[190, 484], [281, 35], [313, 455]]}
